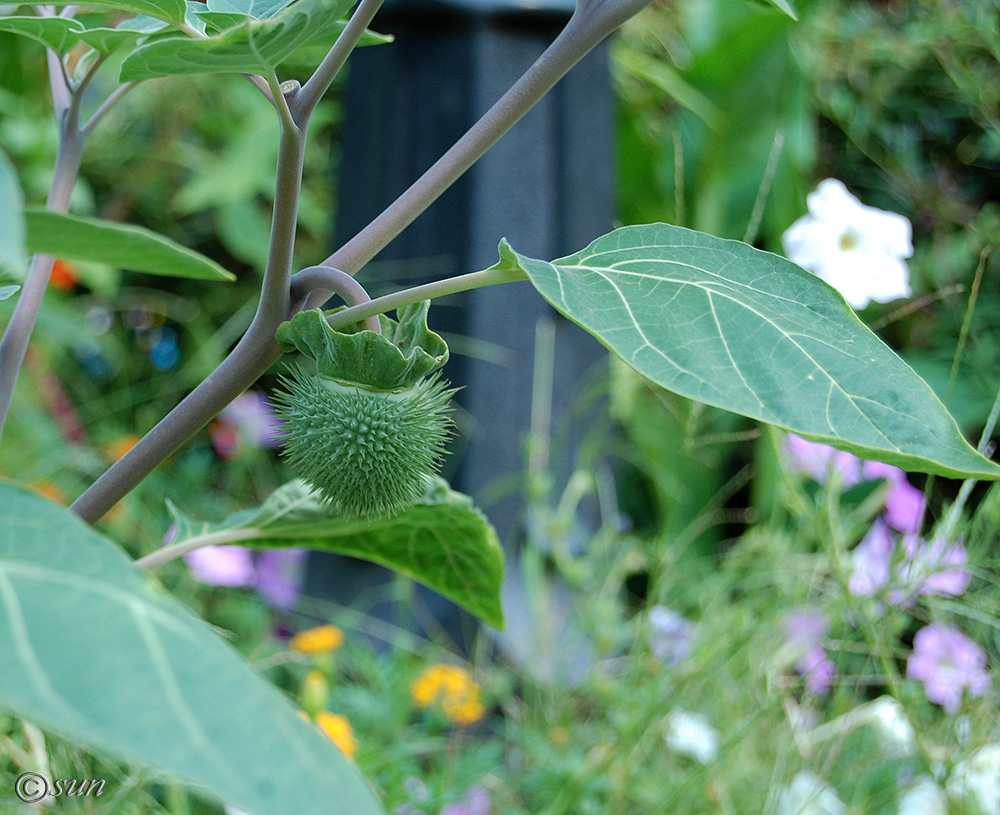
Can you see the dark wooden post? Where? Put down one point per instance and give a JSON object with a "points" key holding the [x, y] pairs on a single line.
{"points": [[546, 186]]}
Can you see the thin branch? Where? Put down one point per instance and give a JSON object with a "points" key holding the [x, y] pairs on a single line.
{"points": [[176, 550], [14, 342], [106, 105], [428, 291], [330, 280], [253, 354], [260, 84], [59, 83], [288, 122], [87, 77], [323, 76]]}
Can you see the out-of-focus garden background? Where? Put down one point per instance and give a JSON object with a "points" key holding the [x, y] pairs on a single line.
{"points": [[755, 625]]}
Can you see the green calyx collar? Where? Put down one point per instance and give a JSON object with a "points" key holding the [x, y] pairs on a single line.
{"points": [[403, 354]]}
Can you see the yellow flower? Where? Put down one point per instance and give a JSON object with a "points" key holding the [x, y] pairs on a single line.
{"points": [[338, 729], [119, 447], [318, 640], [451, 687]]}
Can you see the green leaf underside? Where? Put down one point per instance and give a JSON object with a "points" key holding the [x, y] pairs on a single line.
{"points": [[220, 20], [94, 650], [13, 257], [172, 10], [57, 33], [725, 324], [398, 358], [7, 292], [126, 34], [72, 237], [259, 9], [442, 541], [306, 22]]}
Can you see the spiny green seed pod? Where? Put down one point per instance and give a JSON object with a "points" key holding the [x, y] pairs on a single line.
{"points": [[368, 429], [368, 453]]}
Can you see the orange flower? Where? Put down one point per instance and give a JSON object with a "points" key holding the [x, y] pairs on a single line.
{"points": [[453, 689], [339, 731], [119, 447], [318, 640], [50, 490], [63, 275]]}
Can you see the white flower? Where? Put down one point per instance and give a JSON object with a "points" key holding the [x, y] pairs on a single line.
{"points": [[692, 735], [979, 777], [887, 719], [893, 730], [923, 797], [808, 794], [858, 250]]}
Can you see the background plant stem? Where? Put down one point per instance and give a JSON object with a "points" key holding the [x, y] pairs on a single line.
{"points": [[22, 322]]}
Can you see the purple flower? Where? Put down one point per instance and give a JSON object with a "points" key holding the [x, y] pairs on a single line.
{"points": [[874, 470], [669, 635], [871, 561], [253, 415], [817, 669], [805, 629], [280, 573], [934, 569], [477, 801], [221, 565], [247, 420], [819, 461], [947, 662]]}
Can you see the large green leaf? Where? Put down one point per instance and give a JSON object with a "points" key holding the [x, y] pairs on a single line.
{"points": [[173, 10], [94, 650], [441, 541], [728, 325], [13, 257], [73, 237], [57, 33], [306, 22]]}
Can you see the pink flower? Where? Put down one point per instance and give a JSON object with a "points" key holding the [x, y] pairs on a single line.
{"points": [[921, 568], [805, 629], [819, 461], [221, 565], [904, 503], [871, 561], [934, 569], [948, 663]]}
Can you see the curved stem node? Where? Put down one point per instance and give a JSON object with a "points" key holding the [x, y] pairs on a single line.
{"points": [[327, 278]]}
